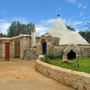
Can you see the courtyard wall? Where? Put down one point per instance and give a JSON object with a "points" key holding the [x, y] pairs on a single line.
{"points": [[74, 79]]}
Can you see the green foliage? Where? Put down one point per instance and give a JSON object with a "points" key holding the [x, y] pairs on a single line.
{"points": [[44, 59], [17, 28], [85, 35], [70, 28], [88, 26], [83, 62], [1, 34], [51, 55]]}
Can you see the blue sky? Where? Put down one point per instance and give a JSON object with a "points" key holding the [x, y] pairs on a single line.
{"points": [[44, 12]]}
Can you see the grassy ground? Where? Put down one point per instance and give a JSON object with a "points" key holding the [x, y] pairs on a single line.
{"points": [[83, 62]]}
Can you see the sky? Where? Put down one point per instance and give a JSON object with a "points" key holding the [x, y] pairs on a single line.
{"points": [[43, 13]]}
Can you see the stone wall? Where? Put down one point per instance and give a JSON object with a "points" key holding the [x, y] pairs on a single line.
{"points": [[89, 52], [31, 54], [84, 51], [24, 44], [1, 50], [51, 42], [74, 79], [81, 51], [12, 49]]}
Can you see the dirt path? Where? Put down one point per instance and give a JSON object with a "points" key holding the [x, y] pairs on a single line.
{"points": [[20, 75]]}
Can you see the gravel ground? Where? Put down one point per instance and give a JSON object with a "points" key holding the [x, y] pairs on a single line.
{"points": [[21, 75]]}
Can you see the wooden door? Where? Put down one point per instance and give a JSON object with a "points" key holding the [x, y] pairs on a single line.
{"points": [[7, 49], [17, 49]]}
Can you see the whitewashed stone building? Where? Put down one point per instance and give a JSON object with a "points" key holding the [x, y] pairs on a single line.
{"points": [[69, 43]]}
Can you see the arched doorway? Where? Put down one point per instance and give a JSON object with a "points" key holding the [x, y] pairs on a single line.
{"points": [[44, 47], [71, 55]]}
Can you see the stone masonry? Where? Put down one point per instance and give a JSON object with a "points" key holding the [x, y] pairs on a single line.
{"points": [[74, 79]]}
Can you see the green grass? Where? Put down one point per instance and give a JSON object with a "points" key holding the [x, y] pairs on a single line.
{"points": [[83, 62]]}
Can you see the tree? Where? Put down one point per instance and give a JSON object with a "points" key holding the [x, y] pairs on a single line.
{"points": [[70, 28], [86, 34], [17, 28], [1, 34]]}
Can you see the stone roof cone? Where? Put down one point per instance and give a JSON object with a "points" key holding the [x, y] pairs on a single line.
{"points": [[66, 36]]}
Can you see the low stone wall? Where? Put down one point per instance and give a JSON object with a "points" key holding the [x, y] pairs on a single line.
{"points": [[74, 79]]}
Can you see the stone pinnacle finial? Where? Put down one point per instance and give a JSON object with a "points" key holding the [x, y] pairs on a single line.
{"points": [[58, 15]]}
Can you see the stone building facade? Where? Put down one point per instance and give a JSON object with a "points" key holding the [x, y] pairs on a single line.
{"points": [[20, 47], [69, 51], [16, 46]]}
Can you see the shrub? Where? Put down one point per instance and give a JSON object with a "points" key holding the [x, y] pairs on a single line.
{"points": [[44, 59], [51, 55]]}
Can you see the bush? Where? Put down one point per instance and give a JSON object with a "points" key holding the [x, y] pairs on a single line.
{"points": [[51, 55], [44, 59]]}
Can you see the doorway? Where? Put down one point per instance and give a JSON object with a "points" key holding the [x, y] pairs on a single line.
{"points": [[7, 51], [71, 55], [17, 49], [44, 47]]}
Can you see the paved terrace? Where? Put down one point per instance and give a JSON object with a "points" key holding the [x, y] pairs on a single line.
{"points": [[21, 75]]}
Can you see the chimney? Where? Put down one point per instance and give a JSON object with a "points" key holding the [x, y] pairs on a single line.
{"points": [[33, 37]]}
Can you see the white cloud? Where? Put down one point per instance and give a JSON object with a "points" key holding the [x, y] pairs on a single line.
{"points": [[4, 27], [46, 22], [22, 20], [41, 30], [3, 12], [84, 7], [44, 26], [72, 1], [72, 22], [2, 20], [88, 17], [79, 5], [81, 14]]}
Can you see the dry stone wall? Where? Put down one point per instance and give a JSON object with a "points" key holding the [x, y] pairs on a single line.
{"points": [[1, 45], [12, 49], [30, 54], [74, 79]]}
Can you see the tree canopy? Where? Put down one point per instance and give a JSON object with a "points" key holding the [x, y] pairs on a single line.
{"points": [[86, 34], [1, 34], [70, 28], [17, 28]]}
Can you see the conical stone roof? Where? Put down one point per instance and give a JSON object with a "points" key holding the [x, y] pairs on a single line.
{"points": [[66, 36]]}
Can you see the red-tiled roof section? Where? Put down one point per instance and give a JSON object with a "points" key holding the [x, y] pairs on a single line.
{"points": [[7, 36]]}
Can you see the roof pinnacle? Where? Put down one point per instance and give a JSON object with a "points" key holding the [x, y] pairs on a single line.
{"points": [[58, 15]]}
